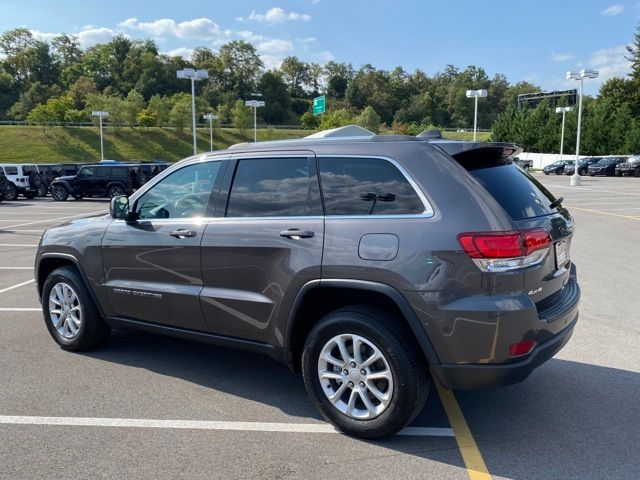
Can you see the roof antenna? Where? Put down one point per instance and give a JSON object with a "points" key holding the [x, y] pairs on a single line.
{"points": [[433, 134]]}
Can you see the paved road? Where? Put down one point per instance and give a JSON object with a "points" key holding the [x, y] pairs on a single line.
{"points": [[578, 416]]}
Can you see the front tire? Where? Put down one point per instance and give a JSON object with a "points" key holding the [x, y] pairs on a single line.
{"points": [[115, 191], [11, 192], [70, 314], [364, 372], [59, 193]]}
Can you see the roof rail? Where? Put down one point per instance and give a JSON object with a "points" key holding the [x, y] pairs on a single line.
{"points": [[343, 132]]}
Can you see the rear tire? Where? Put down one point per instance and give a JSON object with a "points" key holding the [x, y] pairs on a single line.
{"points": [[11, 192], [42, 191], [115, 191], [365, 406], [70, 314], [59, 193]]}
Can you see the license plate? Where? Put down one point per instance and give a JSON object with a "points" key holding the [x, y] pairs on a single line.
{"points": [[562, 253]]}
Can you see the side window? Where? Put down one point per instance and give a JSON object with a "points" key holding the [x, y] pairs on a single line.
{"points": [[275, 187], [103, 172], [87, 172], [366, 186], [119, 173], [11, 170], [185, 193]]}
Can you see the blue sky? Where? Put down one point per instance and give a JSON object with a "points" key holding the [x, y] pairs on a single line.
{"points": [[537, 41]]}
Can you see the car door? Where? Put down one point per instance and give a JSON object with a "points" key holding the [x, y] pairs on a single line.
{"points": [[268, 244], [152, 264], [83, 182]]}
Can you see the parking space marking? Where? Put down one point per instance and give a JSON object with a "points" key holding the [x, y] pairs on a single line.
{"points": [[202, 425], [55, 219], [603, 213], [16, 245], [18, 309], [17, 286], [476, 468]]}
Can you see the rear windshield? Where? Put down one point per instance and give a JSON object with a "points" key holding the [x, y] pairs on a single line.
{"points": [[521, 195]]}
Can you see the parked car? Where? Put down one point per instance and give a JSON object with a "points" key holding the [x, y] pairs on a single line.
{"points": [[557, 167], [151, 169], [524, 164], [97, 180], [630, 167], [4, 183], [24, 180], [605, 166], [401, 267], [583, 166], [51, 171]]}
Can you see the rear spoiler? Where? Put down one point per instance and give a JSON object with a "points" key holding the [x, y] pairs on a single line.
{"points": [[479, 154]]}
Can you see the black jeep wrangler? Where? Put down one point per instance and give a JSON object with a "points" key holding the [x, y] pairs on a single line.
{"points": [[50, 171], [98, 181]]}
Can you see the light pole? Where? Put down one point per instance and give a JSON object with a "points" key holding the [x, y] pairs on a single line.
{"points": [[476, 94], [255, 104], [100, 115], [581, 75], [194, 75], [211, 117], [563, 111]]}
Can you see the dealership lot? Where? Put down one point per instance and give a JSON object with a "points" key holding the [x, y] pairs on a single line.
{"points": [[149, 406]]}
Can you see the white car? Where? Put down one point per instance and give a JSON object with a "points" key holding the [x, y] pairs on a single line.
{"points": [[23, 179]]}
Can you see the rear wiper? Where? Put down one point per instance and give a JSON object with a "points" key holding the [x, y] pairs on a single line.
{"points": [[558, 201]]}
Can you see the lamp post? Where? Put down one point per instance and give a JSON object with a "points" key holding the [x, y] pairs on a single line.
{"points": [[563, 111], [476, 94], [255, 104], [194, 76], [581, 75], [100, 115], [211, 117]]}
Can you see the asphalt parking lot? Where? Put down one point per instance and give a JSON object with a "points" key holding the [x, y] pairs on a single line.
{"points": [[148, 406]]}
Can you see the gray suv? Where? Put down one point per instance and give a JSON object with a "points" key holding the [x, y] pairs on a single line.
{"points": [[370, 263]]}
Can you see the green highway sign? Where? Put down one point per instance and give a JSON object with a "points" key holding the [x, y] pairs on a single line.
{"points": [[318, 105]]}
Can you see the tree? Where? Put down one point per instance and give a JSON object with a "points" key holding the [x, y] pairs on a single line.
{"points": [[80, 89], [181, 111], [242, 117], [160, 108], [295, 73], [274, 92], [238, 68], [40, 115], [74, 116], [309, 121], [369, 119], [146, 118], [633, 55], [133, 106]]}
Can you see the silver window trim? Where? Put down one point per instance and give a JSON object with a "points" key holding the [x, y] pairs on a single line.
{"points": [[428, 209]]}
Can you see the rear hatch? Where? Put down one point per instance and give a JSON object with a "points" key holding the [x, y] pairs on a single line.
{"points": [[532, 208]]}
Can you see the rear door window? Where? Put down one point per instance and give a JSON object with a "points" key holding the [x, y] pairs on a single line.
{"points": [[366, 186], [275, 187], [11, 170]]}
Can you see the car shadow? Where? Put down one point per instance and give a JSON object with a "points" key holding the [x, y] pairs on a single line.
{"points": [[568, 420]]}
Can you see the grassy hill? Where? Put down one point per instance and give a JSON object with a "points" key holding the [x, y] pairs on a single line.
{"points": [[21, 144]]}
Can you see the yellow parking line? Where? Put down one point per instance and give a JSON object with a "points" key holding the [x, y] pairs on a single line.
{"points": [[471, 455], [603, 213]]}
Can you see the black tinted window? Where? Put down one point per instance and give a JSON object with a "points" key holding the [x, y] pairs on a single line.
{"points": [[275, 187], [11, 170], [103, 172], [120, 173], [366, 186], [521, 195]]}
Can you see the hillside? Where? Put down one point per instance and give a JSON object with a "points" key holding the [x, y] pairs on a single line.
{"points": [[19, 144]]}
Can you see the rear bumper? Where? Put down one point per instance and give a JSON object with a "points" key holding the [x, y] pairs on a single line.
{"points": [[465, 377]]}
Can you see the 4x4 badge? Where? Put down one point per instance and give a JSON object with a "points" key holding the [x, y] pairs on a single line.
{"points": [[537, 290]]}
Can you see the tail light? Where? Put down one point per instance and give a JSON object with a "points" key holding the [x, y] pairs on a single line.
{"points": [[506, 251], [521, 348]]}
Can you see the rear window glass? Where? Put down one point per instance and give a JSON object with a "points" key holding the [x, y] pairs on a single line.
{"points": [[366, 186], [11, 170], [521, 195], [27, 169]]}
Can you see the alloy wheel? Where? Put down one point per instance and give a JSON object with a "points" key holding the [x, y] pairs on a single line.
{"points": [[65, 310]]}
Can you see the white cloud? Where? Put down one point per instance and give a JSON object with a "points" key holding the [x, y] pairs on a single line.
{"points": [[611, 62], [43, 36], [324, 56], [278, 15], [315, 2], [92, 36], [248, 36], [198, 28], [561, 57], [183, 52], [275, 46], [306, 40], [613, 10]]}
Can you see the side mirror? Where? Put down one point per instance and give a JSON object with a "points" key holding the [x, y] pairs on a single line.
{"points": [[119, 207]]}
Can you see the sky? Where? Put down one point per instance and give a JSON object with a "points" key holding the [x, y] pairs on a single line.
{"points": [[536, 41]]}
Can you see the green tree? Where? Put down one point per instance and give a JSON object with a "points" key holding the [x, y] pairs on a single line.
{"points": [[181, 111], [274, 92], [160, 108], [242, 116], [295, 73], [309, 121], [40, 115], [369, 119], [133, 106], [74, 116], [146, 118]]}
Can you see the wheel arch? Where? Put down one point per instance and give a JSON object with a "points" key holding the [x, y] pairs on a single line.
{"points": [[319, 297], [48, 262]]}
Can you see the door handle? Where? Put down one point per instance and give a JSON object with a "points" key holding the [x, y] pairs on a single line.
{"points": [[296, 233], [183, 233]]}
